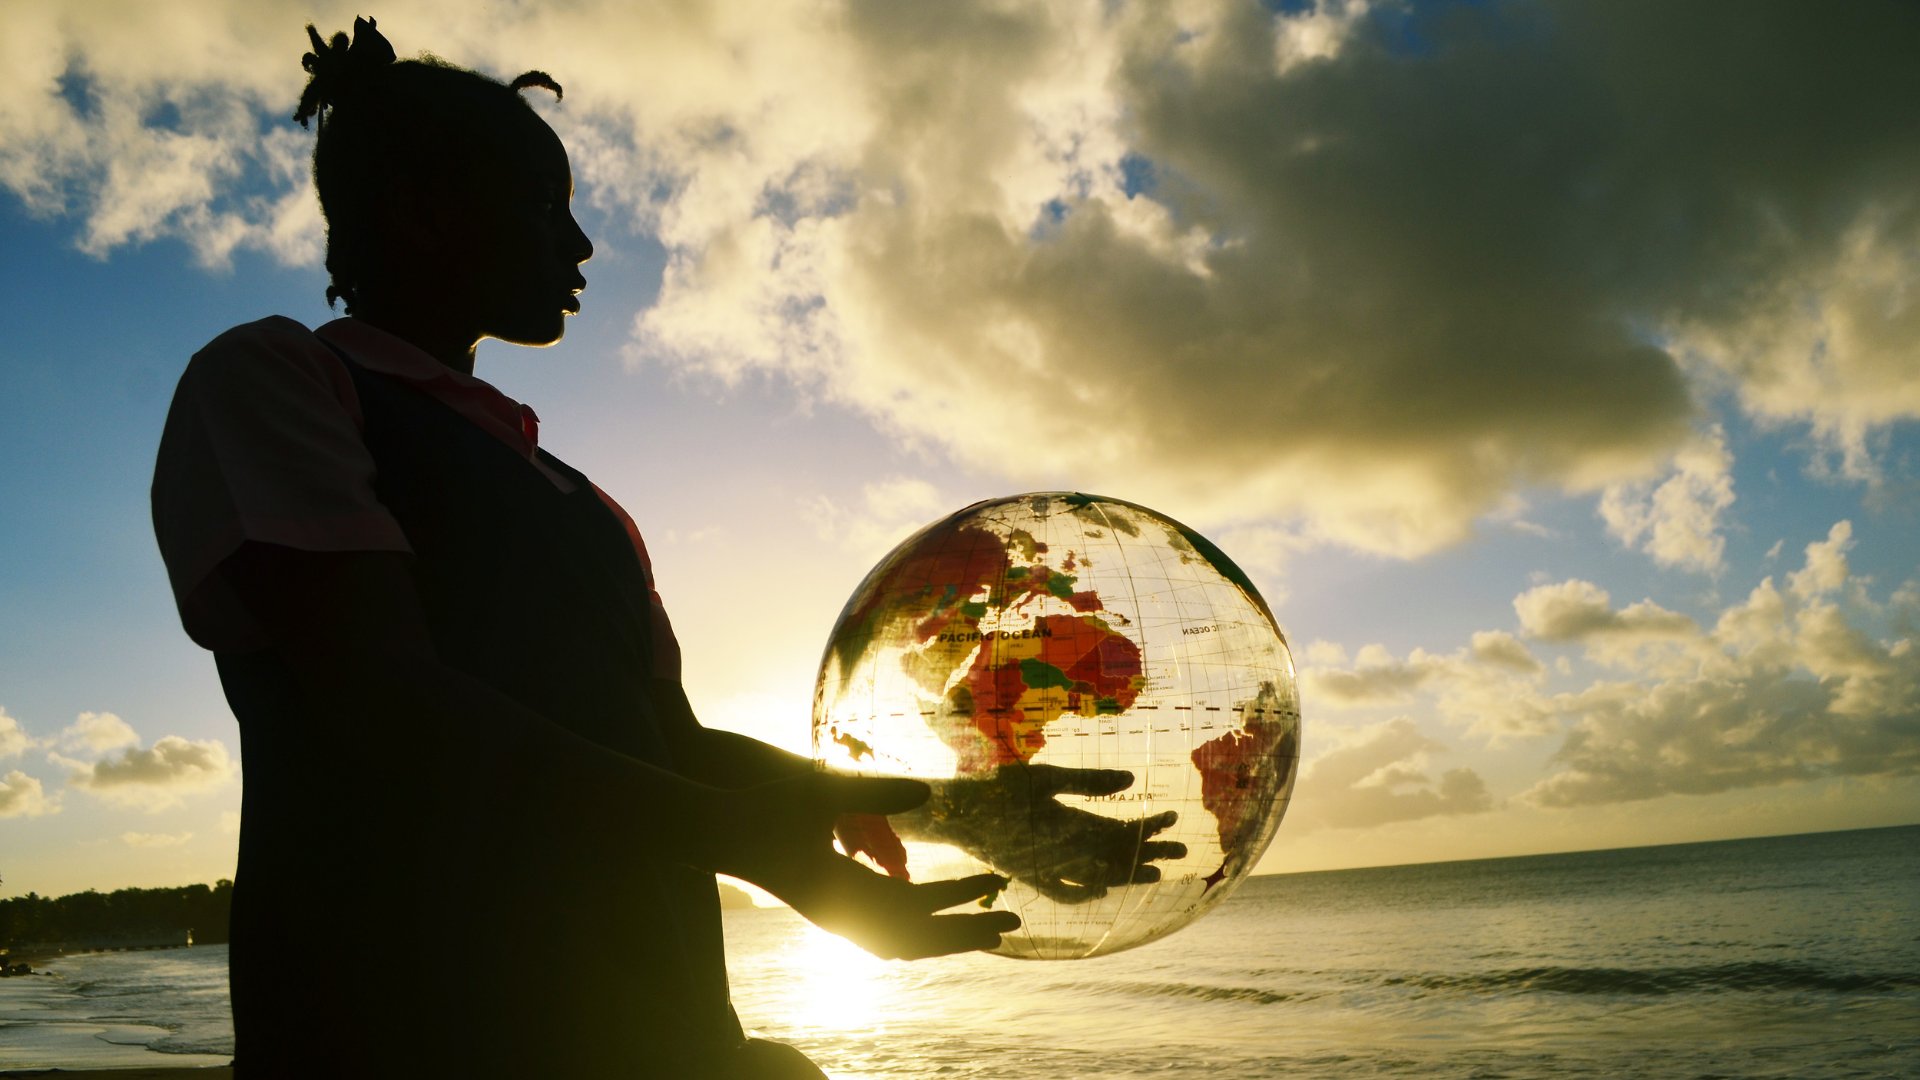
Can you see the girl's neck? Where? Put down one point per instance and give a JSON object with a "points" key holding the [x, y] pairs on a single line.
{"points": [[451, 346]]}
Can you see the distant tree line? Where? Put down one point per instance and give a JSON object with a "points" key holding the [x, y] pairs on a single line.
{"points": [[102, 917]]}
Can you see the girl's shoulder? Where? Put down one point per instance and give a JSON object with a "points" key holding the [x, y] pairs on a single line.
{"points": [[270, 359], [273, 336]]}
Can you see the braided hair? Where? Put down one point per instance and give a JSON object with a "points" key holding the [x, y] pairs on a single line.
{"points": [[384, 122]]}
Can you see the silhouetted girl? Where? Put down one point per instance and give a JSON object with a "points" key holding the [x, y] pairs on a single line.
{"points": [[480, 822]]}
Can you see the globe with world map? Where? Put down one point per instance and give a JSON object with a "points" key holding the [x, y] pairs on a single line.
{"points": [[1103, 704]]}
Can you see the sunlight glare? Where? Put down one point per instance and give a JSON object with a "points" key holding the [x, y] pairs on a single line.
{"points": [[843, 988]]}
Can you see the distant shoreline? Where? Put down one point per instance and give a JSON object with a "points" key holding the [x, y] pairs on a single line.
{"points": [[732, 897], [35, 956]]}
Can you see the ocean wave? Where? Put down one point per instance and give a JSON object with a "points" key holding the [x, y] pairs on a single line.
{"points": [[1743, 976], [1252, 995]]}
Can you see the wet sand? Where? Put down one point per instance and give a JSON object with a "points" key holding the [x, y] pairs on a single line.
{"points": [[51, 1029], [219, 1072]]}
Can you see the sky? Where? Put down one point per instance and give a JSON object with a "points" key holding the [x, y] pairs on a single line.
{"points": [[1552, 368]]}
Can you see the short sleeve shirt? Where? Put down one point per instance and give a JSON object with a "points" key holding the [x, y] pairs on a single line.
{"points": [[264, 443]]}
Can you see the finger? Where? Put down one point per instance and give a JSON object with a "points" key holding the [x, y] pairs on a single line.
{"points": [[1162, 849], [947, 934], [1122, 874], [872, 794], [1054, 780], [1158, 822], [1110, 872], [940, 895]]}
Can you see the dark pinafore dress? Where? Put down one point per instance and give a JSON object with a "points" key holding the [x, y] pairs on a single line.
{"points": [[396, 915]]}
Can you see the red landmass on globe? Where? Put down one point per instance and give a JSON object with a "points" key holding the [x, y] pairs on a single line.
{"points": [[958, 565], [1238, 774], [1066, 663], [872, 836]]}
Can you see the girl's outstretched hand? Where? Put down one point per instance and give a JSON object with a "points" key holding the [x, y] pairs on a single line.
{"points": [[780, 837], [1012, 819]]}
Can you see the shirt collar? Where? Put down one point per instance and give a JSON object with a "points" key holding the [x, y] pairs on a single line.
{"points": [[480, 401], [377, 350]]}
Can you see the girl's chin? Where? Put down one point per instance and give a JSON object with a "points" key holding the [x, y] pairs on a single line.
{"points": [[534, 332]]}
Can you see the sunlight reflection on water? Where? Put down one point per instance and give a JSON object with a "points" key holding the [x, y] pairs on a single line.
{"points": [[1643, 963], [837, 986]]}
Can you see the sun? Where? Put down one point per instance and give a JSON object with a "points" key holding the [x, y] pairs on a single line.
{"points": [[840, 986]]}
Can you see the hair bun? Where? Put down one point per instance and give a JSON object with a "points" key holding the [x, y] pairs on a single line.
{"points": [[340, 68]]}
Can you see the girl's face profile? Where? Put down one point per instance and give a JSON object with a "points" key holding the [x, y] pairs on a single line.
{"points": [[524, 266]]}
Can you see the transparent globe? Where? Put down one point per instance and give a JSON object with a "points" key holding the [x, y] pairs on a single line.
{"points": [[1102, 702]]}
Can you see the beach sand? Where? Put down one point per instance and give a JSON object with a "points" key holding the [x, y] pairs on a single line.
{"points": [[51, 1030], [208, 1073]]}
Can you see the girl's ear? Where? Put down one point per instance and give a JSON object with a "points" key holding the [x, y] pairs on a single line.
{"points": [[431, 214], [406, 212], [409, 249]]}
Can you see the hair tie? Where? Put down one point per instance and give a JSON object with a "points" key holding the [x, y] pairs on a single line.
{"points": [[339, 68]]}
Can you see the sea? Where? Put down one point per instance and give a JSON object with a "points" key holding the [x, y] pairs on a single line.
{"points": [[1793, 956]]}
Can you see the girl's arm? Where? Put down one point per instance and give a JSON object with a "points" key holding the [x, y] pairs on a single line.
{"points": [[349, 625]]}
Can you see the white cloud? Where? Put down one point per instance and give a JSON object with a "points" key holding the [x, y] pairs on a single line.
{"points": [[1382, 774], [96, 733], [1706, 735], [1827, 337], [1865, 678], [1758, 628], [1678, 521], [90, 733], [154, 840], [24, 796], [1265, 552], [144, 121], [1576, 610], [888, 512], [1376, 678], [1366, 292], [1501, 649], [1786, 686], [1826, 566], [1486, 688], [156, 777], [14, 740], [1319, 33], [1904, 608], [1321, 653], [700, 537]]}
